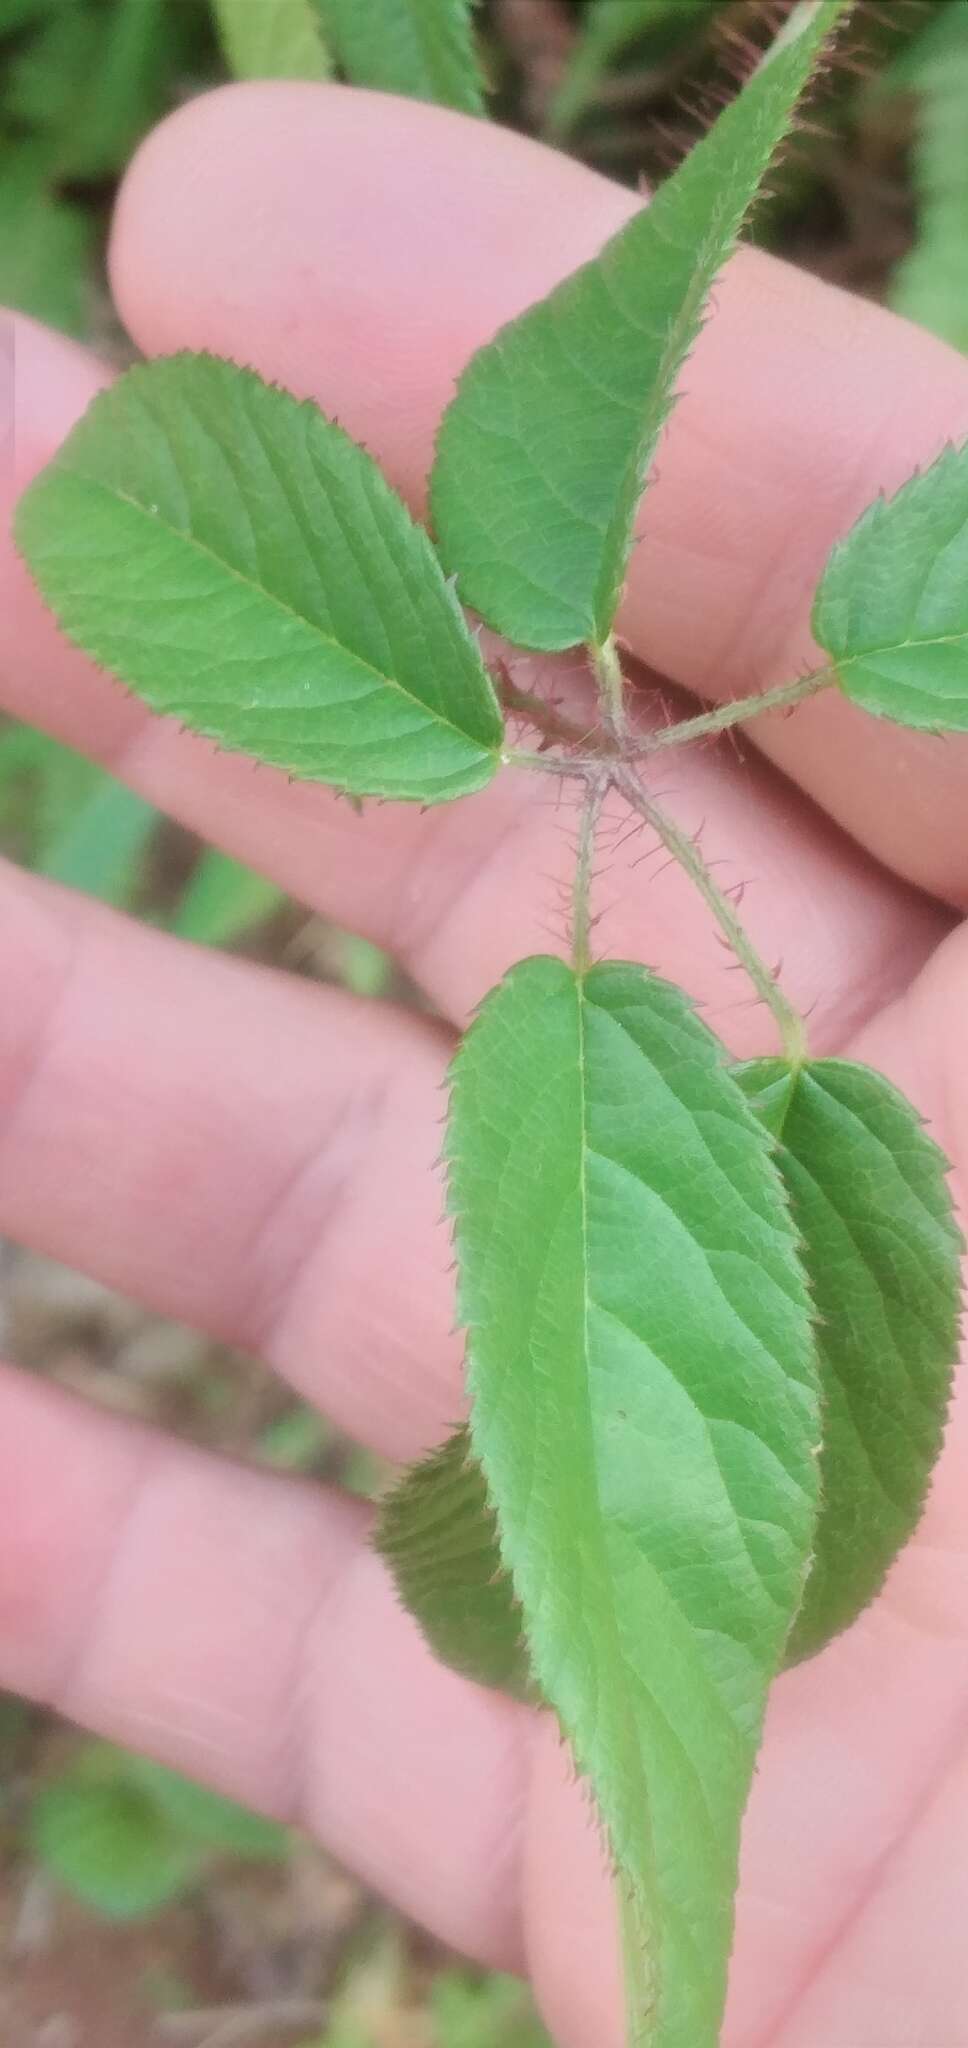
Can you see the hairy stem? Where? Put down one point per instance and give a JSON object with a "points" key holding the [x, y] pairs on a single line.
{"points": [[546, 718], [737, 712], [591, 811], [686, 852]]}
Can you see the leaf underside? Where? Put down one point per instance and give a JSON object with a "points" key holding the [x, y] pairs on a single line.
{"points": [[882, 1254], [423, 49], [892, 606], [645, 1411], [438, 1536], [244, 566], [543, 452]]}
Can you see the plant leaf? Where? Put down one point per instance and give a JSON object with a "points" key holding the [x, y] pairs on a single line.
{"points": [[421, 48], [99, 850], [882, 1255], [272, 38], [645, 1411], [438, 1536], [223, 900], [931, 284], [94, 80], [206, 1819], [241, 563], [107, 1841], [543, 452], [46, 243], [892, 606], [611, 27]]}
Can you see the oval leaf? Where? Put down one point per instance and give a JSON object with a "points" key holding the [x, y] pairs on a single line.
{"points": [[438, 1535], [645, 1411], [543, 452], [421, 48], [882, 1254], [241, 563], [892, 607]]}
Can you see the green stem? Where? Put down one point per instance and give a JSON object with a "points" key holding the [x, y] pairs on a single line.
{"points": [[611, 687], [591, 811], [782, 698], [684, 849]]}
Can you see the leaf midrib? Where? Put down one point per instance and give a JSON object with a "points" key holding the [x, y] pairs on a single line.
{"points": [[328, 640]]}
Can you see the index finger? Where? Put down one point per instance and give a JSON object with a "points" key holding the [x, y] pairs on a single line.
{"points": [[391, 239]]}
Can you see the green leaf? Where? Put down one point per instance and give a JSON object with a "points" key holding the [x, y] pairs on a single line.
{"points": [[223, 900], [46, 243], [882, 1255], [204, 1818], [543, 452], [99, 850], [892, 606], [438, 1536], [931, 285], [609, 29], [94, 81], [421, 48], [272, 38], [109, 1842], [239, 561], [645, 1409]]}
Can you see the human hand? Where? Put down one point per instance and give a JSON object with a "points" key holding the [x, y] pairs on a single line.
{"points": [[256, 1156]]}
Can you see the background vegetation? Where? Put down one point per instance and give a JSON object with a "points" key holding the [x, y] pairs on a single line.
{"points": [[134, 1908]]}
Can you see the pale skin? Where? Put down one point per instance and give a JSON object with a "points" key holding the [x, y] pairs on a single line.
{"points": [[256, 1156]]}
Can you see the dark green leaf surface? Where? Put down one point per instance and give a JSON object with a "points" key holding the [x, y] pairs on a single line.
{"points": [[439, 1538], [421, 48], [272, 38], [543, 453], [46, 243], [882, 1254], [646, 1413], [892, 607], [94, 80], [243, 565]]}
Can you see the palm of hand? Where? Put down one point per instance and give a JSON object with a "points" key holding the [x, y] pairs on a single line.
{"points": [[257, 1156]]}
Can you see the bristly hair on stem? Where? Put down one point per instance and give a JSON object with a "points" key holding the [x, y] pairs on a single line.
{"points": [[596, 790]]}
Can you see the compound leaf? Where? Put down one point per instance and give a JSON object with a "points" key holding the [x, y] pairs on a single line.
{"points": [[438, 1535], [892, 606], [423, 49], [244, 566], [645, 1409], [543, 452], [272, 39], [882, 1254]]}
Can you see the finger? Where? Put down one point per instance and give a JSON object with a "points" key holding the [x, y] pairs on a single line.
{"points": [[236, 1148], [363, 247], [461, 892], [861, 1775], [236, 1626]]}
